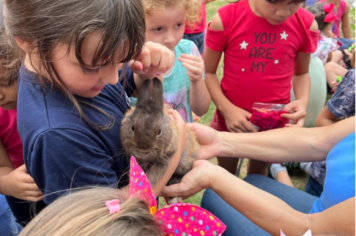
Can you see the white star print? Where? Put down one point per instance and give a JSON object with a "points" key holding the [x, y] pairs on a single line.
{"points": [[284, 35], [243, 69], [243, 45], [276, 61]]}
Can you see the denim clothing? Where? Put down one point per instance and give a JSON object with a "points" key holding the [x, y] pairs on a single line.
{"points": [[237, 224], [8, 225], [313, 187], [198, 39]]}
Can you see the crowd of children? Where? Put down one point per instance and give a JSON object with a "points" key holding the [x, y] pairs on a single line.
{"points": [[69, 71]]}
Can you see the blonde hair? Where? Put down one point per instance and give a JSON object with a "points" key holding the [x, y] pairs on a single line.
{"points": [[85, 213], [192, 7], [10, 62]]}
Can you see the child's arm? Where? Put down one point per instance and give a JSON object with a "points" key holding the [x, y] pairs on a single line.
{"points": [[345, 23], [236, 118], [301, 87], [326, 117], [16, 183], [199, 96]]}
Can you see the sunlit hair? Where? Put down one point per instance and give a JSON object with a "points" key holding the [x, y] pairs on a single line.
{"points": [[192, 7], [319, 13], [10, 62], [84, 213], [43, 24]]}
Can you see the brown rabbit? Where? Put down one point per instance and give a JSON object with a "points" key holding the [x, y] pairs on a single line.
{"points": [[148, 134]]}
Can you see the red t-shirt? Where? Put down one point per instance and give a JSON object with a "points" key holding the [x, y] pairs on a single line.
{"points": [[10, 137], [200, 26], [259, 58]]}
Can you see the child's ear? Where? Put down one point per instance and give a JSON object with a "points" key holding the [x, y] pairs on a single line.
{"points": [[24, 45]]}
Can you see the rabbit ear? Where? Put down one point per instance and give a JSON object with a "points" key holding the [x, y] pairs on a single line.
{"points": [[150, 97]]}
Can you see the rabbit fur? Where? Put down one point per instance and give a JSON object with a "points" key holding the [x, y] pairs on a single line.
{"points": [[148, 134]]}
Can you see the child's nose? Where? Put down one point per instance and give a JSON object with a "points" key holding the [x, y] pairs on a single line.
{"points": [[283, 13], [110, 75], [169, 38]]}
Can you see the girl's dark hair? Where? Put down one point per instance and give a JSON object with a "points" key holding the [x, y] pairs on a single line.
{"points": [[10, 62], [45, 23], [319, 13]]}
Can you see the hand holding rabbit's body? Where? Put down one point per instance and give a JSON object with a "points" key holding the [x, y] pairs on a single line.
{"points": [[148, 133]]}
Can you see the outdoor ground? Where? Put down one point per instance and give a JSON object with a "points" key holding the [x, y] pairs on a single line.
{"points": [[298, 178]]}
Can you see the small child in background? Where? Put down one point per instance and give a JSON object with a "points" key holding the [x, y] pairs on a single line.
{"points": [[267, 45], [14, 180], [197, 32], [327, 44], [184, 86], [342, 11], [109, 212]]}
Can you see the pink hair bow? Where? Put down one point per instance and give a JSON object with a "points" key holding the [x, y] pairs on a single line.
{"points": [[331, 15], [175, 219]]}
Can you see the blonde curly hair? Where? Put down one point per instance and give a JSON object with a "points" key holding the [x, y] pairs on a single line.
{"points": [[192, 7]]}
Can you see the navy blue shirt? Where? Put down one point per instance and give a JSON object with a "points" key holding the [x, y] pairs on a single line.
{"points": [[61, 150]]}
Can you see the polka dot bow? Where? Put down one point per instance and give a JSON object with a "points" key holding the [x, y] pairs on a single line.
{"points": [[176, 219]]}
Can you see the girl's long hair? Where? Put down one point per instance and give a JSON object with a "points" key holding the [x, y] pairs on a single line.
{"points": [[43, 24]]}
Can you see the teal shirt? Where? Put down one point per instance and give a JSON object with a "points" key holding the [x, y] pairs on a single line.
{"points": [[176, 85]]}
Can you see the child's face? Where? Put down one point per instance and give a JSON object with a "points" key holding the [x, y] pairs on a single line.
{"points": [[275, 13], [85, 82], [8, 97], [167, 26]]}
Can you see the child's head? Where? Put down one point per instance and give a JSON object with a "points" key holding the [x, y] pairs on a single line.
{"points": [[9, 66], [276, 11], [77, 46], [166, 19], [85, 213], [324, 16]]}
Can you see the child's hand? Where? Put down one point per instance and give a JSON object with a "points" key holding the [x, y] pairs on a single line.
{"points": [[298, 113], [21, 185], [154, 61], [237, 121], [194, 66]]}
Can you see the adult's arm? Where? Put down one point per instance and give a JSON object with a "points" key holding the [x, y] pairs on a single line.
{"points": [[267, 211], [279, 145]]}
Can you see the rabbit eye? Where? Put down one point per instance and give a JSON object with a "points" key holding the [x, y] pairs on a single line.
{"points": [[133, 128], [159, 132]]}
